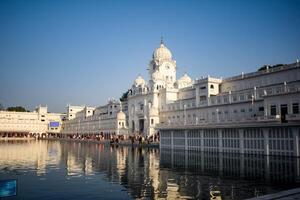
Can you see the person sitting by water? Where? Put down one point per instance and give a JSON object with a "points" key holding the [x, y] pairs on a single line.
{"points": [[112, 140], [148, 139]]}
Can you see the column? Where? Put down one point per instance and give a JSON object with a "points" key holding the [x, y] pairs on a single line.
{"points": [[197, 97], [186, 139], [266, 141], [295, 131], [267, 168], [241, 140], [201, 140], [242, 165], [220, 164], [186, 159], [172, 140], [220, 145], [161, 138]]}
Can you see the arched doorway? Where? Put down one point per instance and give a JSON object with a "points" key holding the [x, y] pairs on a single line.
{"points": [[132, 126], [141, 125]]}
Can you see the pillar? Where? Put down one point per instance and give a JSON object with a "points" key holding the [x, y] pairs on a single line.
{"points": [[197, 97], [172, 140], [267, 168], [266, 141], [201, 140], [295, 131], [242, 165], [186, 139], [220, 164], [220, 142], [241, 140]]}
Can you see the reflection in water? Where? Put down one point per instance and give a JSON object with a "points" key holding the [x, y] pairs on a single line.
{"points": [[237, 176], [74, 170]]}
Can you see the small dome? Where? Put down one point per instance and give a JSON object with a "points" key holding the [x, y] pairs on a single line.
{"points": [[139, 81], [162, 53], [185, 78], [121, 115], [184, 81]]}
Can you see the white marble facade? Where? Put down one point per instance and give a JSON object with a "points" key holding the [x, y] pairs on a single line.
{"points": [[269, 95]]}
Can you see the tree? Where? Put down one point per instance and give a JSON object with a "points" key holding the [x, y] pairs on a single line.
{"points": [[17, 109], [264, 67], [124, 96]]}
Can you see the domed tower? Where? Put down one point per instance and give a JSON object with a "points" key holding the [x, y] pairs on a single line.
{"points": [[162, 68]]}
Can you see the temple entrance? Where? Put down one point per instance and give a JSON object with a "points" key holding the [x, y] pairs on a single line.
{"points": [[141, 125], [283, 112]]}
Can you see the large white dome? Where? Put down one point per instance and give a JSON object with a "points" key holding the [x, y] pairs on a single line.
{"points": [[162, 53]]}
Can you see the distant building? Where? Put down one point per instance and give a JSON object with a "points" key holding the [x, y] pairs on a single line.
{"points": [[106, 120], [30, 123]]}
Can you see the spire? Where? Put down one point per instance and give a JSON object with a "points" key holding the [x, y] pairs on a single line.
{"points": [[161, 40]]}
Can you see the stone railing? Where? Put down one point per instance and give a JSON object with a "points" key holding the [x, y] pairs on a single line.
{"points": [[197, 122], [269, 70]]}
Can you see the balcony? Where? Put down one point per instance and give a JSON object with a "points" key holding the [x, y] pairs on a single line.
{"points": [[270, 118], [292, 117], [139, 112]]}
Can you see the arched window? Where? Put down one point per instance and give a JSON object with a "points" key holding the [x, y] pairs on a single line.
{"points": [[211, 86]]}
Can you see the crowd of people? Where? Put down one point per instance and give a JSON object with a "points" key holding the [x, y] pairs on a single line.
{"points": [[137, 138], [142, 140], [114, 139]]}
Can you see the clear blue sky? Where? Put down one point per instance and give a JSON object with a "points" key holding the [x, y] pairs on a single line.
{"points": [[84, 52]]}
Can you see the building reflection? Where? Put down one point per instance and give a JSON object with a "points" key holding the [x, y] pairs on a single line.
{"points": [[151, 173], [237, 176], [269, 169], [33, 155]]}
